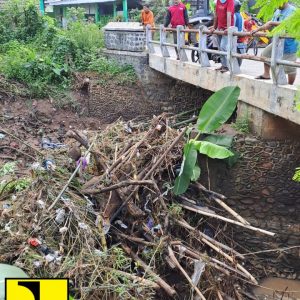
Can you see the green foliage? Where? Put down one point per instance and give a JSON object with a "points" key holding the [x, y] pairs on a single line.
{"points": [[122, 74], [8, 168], [296, 176], [215, 112], [187, 168], [218, 109], [221, 140], [242, 125], [290, 26], [134, 15], [24, 63], [15, 185], [36, 51], [213, 150]]}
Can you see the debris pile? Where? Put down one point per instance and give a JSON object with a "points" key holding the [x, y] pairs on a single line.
{"points": [[99, 209]]}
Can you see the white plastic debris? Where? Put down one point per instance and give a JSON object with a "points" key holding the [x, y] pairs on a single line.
{"points": [[199, 267], [63, 230], [41, 204], [37, 263], [83, 226], [50, 257], [60, 215], [121, 224]]}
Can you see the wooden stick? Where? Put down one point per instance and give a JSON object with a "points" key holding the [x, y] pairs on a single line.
{"points": [[204, 189], [102, 234], [241, 268], [219, 295], [71, 178], [231, 211], [164, 285], [211, 261], [176, 262], [206, 237], [202, 212], [217, 197], [149, 173], [117, 186], [15, 137], [135, 239], [141, 280]]}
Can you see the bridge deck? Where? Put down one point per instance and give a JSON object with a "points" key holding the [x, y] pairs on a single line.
{"points": [[278, 100]]}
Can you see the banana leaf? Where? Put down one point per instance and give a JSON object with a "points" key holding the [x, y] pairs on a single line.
{"points": [[218, 109]]}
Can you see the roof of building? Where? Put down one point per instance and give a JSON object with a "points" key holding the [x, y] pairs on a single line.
{"points": [[74, 2]]}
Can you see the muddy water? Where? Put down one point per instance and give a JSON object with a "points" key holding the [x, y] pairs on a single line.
{"points": [[277, 288]]}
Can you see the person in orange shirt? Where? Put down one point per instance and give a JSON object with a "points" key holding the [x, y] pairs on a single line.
{"points": [[147, 16]]}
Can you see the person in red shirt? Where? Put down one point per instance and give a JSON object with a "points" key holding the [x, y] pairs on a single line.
{"points": [[176, 15], [224, 18]]}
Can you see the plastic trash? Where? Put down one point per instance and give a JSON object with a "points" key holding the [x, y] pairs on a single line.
{"points": [[83, 226], [121, 224], [34, 242], [199, 267], [150, 223], [127, 128], [47, 144], [41, 204], [49, 165], [6, 206], [2, 136], [60, 216], [84, 163], [50, 257], [63, 230], [7, 271]]}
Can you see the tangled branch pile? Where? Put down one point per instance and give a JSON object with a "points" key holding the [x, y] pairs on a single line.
{"points": [[114, 227]]}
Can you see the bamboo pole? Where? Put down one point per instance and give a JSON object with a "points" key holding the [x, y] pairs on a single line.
{"points": [[72, 176], [206, 237], [176, 262], [164, 285], [217, 197], [202, 212]]}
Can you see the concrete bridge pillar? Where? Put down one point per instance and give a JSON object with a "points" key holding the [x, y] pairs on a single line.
{"points": [[267, 125]]}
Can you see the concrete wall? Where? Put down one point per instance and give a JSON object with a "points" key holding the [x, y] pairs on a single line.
{"points": [[277, 100], [260, 188]]}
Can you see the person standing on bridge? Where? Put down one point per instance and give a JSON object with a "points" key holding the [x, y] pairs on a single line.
{"points": [[224, 18], [177, 15], [290, 45], [147, 16], [239, 24]]}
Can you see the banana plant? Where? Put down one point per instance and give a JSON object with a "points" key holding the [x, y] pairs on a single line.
{"points": [[215, 112]]}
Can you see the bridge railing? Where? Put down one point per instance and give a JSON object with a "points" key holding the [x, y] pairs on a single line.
{"points": [[276, 61]]}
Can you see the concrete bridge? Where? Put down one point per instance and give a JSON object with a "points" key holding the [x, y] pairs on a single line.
{"points": [[268, 104]]}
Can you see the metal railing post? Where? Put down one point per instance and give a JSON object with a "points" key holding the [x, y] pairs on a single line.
{"points": [[278, 73], [162, 40], [180, 43], [203, 56], [149, 39], [233, 64]]}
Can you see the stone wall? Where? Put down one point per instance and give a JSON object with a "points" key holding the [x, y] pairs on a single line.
{"points": [[125, 40], [260, 187], [153, 93]]}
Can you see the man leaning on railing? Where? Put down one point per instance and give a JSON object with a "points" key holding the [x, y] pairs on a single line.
{"points": [[224, 18], [290, 45], [177, 15]]}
